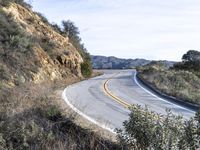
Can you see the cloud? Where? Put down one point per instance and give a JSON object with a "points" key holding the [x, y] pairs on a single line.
{"points": [[151, 29]]}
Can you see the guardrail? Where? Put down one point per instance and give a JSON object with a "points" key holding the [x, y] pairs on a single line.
{"points": [[172, 99]]}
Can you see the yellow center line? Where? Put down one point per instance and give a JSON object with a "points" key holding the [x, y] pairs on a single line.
{"points": [[122, 102], [117, 99]]}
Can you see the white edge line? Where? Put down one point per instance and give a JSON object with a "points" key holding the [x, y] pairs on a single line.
{"points": [[157, 96], [84, 115]]}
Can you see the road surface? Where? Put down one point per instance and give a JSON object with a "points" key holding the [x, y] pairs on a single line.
{"points": [[92, 98]]}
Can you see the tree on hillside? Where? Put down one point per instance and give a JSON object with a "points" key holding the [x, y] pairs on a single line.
{"points": [[190, 62], [191, 56], [57, 28], [72, 32]]}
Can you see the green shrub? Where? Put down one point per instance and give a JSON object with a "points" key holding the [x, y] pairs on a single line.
{"points": [[147, 130], [86, 69], [190, 62], [57, 28], [72, 32], [180, 83], [33, 130], [43, 18], [47, 45], [12, 35], [53, 113], [20, 42]]}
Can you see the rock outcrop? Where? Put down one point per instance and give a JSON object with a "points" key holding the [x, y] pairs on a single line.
{"points": [[50, 56]]}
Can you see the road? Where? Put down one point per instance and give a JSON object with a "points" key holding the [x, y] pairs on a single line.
{"points": [[92, 100]]}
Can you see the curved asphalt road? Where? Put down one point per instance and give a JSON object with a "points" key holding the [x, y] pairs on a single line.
{"points": [[90, 98]]}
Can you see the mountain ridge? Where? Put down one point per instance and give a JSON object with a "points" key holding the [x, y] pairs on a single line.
{"points": [[112, 62]]}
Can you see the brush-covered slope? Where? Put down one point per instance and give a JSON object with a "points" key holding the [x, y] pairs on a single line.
{"points": [[30, 49], [33, 116], [182, 80]]}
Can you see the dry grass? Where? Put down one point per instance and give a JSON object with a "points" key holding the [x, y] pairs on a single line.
{"points": [[182, 84], [35, 117]]}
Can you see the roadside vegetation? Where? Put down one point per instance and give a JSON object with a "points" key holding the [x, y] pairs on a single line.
{"points": [[71, 31], [16, 51], [181, 80], [147, 130], [6, 3], [30, 115], [32, 118]]}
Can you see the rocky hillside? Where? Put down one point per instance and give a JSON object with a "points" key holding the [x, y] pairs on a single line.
{"points": [[102, 62], [34, 116], [30, 49]]}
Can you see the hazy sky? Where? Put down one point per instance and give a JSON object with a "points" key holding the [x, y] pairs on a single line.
{"points": [[151, 29]]}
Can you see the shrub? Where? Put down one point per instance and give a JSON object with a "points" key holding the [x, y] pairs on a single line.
{"points": [[147, 130], [191, 62], [72, 32], [53, 113], [5, 3], [180, 83], [12, 35], [86, 69], [30, 120], [47, 45], [31, 129], [43, 18], [4, 72], [20, 42], [57, 28]]}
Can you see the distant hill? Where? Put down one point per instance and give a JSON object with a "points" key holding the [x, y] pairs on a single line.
{"points": [[102, 62]]}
